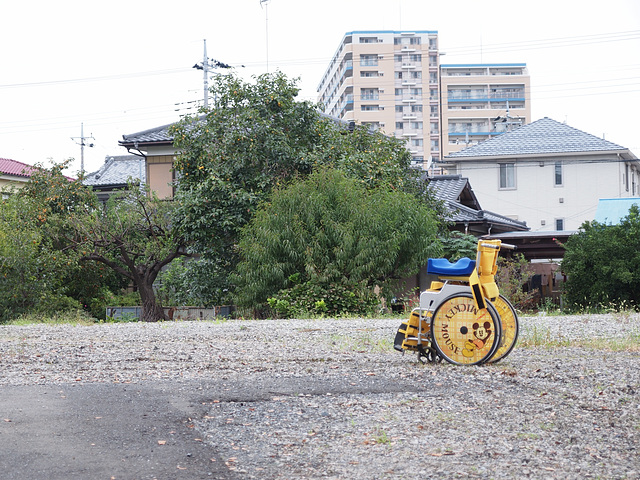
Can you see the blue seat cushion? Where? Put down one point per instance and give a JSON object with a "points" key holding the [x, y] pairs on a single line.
{"points": [[442, 266]]}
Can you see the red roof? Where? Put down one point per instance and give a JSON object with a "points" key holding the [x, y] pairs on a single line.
{"points": [[18, 169]]}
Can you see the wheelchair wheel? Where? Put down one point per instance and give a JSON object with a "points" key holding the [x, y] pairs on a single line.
{"points": [[464, 335], [510, 328]]}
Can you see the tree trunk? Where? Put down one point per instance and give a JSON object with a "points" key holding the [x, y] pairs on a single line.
{"points": [[152, 311]]}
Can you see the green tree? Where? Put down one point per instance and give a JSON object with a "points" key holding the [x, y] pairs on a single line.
{"points": [[602, 263], [32, 274], [331, 230], [258, 137], [133, 235]]}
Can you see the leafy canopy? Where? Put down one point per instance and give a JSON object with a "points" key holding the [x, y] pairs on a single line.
{"points": [[330, 230], [256, 138]]}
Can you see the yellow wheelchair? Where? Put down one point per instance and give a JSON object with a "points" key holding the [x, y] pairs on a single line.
{"points": [[462, 317]]}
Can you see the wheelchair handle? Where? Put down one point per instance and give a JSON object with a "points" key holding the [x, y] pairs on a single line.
{"points": [[508, 246]]}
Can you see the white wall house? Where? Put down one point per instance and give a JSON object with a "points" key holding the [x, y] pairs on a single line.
{"points": [[547, 174]]}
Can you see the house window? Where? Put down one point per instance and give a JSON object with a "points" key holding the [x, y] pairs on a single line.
{"points": [[507, 176], [558, 174], [559, 224]]}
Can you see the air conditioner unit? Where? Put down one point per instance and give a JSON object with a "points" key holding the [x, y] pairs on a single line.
{"points": [[561, 200]]}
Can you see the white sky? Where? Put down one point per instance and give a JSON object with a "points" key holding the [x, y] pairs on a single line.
{"points": [[121, 67]]}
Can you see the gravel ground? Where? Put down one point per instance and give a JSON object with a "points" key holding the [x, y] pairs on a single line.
{"points": [[332, 399]]}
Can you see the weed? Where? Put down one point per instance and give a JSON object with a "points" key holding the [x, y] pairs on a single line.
{"points": [[381, 437]]}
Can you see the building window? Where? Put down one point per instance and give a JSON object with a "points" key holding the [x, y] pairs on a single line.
{"points": [[416, 57], [559, 224], [368, 60], [398, 75], [399, 92], [415, 40], [416, 125], [416, 108], [366, 74], [369, 108], [557, 181], [368, 39], [507, 176], [369, 94], [399, 126], [417, 142], [399, 108], [416, 75]]}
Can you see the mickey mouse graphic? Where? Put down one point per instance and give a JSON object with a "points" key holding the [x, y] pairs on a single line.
{"points": [[481, 332]]}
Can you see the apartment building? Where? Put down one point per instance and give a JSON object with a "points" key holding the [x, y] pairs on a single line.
{"points": [[388, 80], [393, 81], [480, 101]]}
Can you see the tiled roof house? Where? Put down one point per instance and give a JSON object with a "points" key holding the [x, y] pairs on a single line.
{"points": [[115, 174], [14, 173], [464, 208], [547, 174]]}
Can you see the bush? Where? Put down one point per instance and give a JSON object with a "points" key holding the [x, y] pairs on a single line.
{"points": [[311, 299], [333, 233], [513, 273], [602, 264]]}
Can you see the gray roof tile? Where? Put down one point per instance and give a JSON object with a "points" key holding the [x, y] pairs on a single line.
{"points": [[544, 136], [455, 189], [153, 135], [117, 170]]}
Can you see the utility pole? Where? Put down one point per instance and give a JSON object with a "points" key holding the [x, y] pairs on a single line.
{"points": [[206, 65], [82, 144], [266, 19]]}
